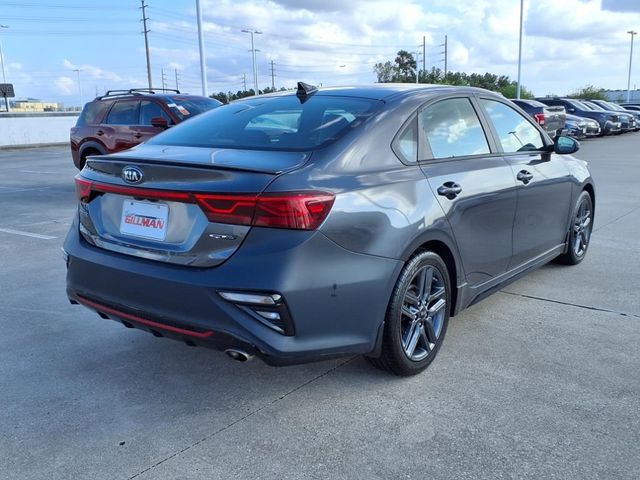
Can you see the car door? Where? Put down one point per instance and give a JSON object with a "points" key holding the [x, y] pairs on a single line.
{"points": [[472, 182], [149, 109], [543, 179], [120, 125]]}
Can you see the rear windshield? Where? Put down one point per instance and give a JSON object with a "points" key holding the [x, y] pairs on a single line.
{"points": [[187, 107], [272, 123], [92, 113]]}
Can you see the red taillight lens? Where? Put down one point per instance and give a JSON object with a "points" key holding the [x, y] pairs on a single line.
{"points": [[295, 210], [539, 118], [298, 210], [83, 189], [235, 209]]}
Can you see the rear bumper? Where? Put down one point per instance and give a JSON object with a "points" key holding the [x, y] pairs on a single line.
{"points": [[337, 299]]}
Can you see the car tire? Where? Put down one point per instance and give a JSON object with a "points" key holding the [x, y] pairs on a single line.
{"points": [[87, 152], [579, 235], [417, 316]]}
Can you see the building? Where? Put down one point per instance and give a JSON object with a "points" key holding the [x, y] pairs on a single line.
{"points": [[31, 105], [620, 96]]}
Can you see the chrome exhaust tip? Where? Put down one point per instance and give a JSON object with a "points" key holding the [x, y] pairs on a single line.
{"points": [[238, 355]]}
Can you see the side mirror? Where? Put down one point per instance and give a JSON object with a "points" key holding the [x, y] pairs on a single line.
{"points": [[159, 122], [565, 145]]}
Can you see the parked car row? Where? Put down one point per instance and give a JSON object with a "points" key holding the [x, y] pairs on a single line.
{"points": [[582, 118]]}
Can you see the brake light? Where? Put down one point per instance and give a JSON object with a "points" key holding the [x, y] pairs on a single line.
{"points": [[83, 189], [235, 209], [295, 210], [539, 118], [298, 210]]}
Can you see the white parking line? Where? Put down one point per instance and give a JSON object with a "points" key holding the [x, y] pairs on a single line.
{"points": [[38, 171], [26, 234]]}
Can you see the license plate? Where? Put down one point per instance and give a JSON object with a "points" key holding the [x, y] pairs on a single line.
{"points": [[584, 131], [144, 219]]}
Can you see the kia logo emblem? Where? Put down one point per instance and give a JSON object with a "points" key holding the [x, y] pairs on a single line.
{"points": [[131, 174]]}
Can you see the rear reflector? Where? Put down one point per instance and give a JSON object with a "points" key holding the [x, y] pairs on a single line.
{"points": [[294, 210]]}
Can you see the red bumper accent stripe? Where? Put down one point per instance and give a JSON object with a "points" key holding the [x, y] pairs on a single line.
{"points": [[144, 321]]}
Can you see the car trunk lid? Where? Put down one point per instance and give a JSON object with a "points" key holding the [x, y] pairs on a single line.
{"points": [[181, 205]]}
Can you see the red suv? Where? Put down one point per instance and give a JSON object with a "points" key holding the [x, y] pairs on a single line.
{"points": [[121, 119]]}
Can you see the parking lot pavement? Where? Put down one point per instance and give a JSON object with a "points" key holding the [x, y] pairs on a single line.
{"points": [[539, 380]]}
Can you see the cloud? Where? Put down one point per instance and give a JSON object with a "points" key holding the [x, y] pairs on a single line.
{"points": [[65, 85], [92, 71]]}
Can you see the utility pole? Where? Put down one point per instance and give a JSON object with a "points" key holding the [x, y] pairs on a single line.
{"points": [[203, 65], [145, 31], [273, 78], [77, 70], [253, 53], [164, 81], [424, 54], [520, 49], [244, 81], [446, 55], [4, 79], [176, 71], [633, 34]]}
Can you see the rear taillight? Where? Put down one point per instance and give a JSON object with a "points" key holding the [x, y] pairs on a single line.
{"points": [[235, 209], [296, 210], [83, 189], [299, 210], [539, 118]]}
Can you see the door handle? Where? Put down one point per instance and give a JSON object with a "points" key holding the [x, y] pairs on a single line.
{"points": [[137, 135], [100, 132], [524, 176], [450, 190]]}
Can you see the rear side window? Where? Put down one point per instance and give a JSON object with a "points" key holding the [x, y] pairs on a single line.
{"points": [[405, 144], [515, 132], [92, 113], [124, 112], [273, 123], [452, 129], [149, 110]]}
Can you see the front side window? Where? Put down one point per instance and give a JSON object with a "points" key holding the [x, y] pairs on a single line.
{"points": [[515, 132], [124, 112], [452, 129]]}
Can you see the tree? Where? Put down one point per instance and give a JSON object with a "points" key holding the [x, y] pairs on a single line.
{"points": [[511, 90], [385, 72], [589, 92], [405, 66]]}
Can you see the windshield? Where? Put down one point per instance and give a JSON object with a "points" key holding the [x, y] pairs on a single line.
{"points": [[273, 123], [187, 107], [614, 106], [578, 105], [594, 106]]}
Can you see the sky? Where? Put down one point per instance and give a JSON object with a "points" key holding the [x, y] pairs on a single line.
{"points": [[566, 44]]}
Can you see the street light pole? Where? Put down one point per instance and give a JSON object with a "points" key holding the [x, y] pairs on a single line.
{"points": [[4, 79], [77, 70], [253, 53], [203, 66], [520, 49], [633, 34]]}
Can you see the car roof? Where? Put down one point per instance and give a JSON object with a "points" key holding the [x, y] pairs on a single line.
{"points": [[385, 91]]}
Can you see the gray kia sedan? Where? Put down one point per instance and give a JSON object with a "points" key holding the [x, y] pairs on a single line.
{"points": [[317, 223]]}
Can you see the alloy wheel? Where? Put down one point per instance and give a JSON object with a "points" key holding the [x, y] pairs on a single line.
{"points": [[582, 228], [423, 313]]}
